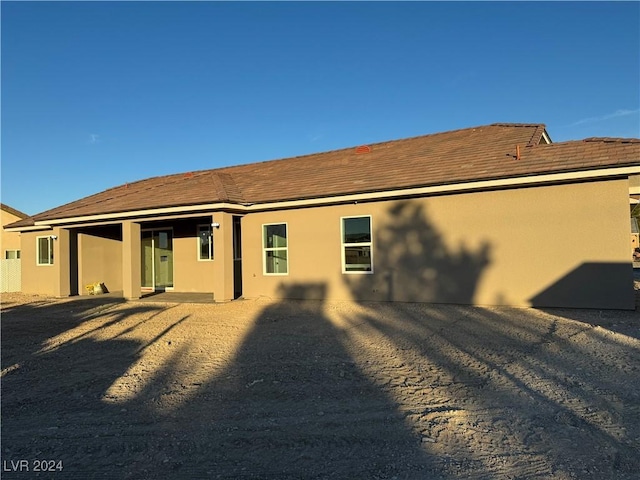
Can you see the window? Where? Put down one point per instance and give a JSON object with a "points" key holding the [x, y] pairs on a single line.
{"points": [[44, 250], [205, 242], [275, 249], [356, 245], [11, 254]]}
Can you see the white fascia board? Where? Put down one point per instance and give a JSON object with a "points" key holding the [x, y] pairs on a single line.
{"points": [[154, 218], [135, 214], [28, 229], [150, 214]]}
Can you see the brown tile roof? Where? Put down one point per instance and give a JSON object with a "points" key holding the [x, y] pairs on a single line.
{"points": [[12, 211], [480, 153]]}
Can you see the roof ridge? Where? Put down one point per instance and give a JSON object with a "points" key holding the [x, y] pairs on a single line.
{"points": [[221, 191], [231, 189], [591, 140], [335, 150], [537, 135], [612, 139], [386, 142], [506, 124]]}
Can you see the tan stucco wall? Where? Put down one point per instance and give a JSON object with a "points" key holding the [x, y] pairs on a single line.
{"points": [[113, 258], [37, 279], [223, 272], [131, 253], [8, 240], [189, 273], [563, 245], [531, 246], [99, 261]]}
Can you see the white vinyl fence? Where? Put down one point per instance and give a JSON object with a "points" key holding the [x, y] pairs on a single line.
{"points": [[10, 276]]}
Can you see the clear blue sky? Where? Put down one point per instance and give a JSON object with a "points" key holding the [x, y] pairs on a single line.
{"points": [[97, 94]]}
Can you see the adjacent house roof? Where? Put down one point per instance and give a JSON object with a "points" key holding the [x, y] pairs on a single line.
{"points": [[13, 211], [490, 152]]}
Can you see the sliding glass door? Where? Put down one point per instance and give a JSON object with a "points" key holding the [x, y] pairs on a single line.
{"points": [[157, 259]]}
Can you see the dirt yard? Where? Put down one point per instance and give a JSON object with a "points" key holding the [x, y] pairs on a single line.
{"points": [[106, 389]]}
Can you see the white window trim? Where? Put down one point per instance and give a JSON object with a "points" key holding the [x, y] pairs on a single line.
{"points": [[273, 249], [359, 244], [51, 257], [211, 256]]}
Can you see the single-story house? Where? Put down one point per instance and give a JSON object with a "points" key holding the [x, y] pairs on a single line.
{"points": [[491, 215]]}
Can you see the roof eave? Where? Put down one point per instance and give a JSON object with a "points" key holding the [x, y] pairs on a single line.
{"points": [[380, 195]]}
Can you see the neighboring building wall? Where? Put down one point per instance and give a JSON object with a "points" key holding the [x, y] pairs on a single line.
{"points": [[10, 270], [563, 245], [8, 240], [10, 275]]}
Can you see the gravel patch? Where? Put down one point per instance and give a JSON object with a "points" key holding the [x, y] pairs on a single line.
{"points": [[262, 389]]}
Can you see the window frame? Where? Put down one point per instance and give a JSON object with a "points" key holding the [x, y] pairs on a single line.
{"points": [[199, 228], [266, 249], [17, 254], [50, 245], [344, 244]]}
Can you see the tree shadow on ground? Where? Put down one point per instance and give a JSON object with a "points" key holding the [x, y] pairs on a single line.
{"points": [[25, 338], [623, 322], [54, 378], [542, 398], [291, 404]]}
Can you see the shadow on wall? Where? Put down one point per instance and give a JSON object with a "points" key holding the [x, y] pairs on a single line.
{"points": [[306, 291], [412, 263], [591, 285]]}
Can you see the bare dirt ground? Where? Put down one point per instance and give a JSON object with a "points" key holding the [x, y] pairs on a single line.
{"points": [[295, 390]]}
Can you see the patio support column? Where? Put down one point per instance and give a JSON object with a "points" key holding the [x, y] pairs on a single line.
{"points": [[131, 260], [81, 277], [223, 257], [62, 262]]}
